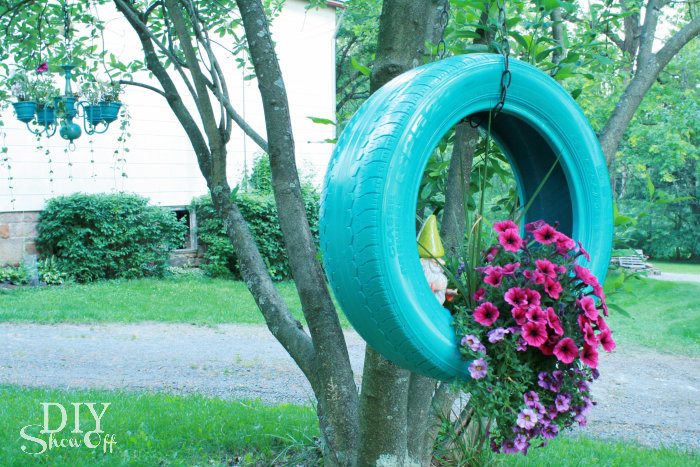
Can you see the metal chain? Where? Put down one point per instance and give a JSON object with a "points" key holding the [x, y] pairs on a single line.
{"points": [[504, 45], [66, 26], [442, 23]]}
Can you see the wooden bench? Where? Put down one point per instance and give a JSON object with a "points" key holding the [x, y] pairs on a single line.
{"points": [[636, 263]]}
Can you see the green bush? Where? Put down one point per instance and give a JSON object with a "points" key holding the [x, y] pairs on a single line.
{"points": [[259, 210], [17, 275], [108, 236]]}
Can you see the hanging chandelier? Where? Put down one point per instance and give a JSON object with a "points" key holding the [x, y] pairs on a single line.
{"points": [[44, 113]]}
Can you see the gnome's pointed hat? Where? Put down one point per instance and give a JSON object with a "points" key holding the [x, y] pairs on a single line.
{"points": [[429, 243]]}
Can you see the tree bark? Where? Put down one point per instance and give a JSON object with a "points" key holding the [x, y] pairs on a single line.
{"points": [[649, 65], [337, 393]]}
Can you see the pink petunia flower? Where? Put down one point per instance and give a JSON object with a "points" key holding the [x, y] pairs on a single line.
{"points": [[532, 226], [602, 325], [479, 294], [589, 356], [509, 269], [553, 288], [564, 242], [520, 315], [510, 240], [504, 225], [585, 275], [535, 334], [580, 247], [606, 340], [566, 350], [490, 254], [536, 314], [516, 297], [548, 347], [547, 268], [42, 68], [554, 322], [587, 305], [545, 234], [589, 335], [494, 275], [486, 314]]}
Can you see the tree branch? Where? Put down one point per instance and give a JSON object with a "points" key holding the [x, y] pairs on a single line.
{"points": [[145, 86]]}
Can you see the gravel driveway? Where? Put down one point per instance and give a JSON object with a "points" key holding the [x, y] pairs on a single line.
{"points": [[645, 396]]}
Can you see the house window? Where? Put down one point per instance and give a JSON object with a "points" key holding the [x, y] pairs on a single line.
{"points": [[190, 216]]}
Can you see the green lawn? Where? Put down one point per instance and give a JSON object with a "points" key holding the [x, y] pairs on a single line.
{"points": [[665, 316], [184, 300], [677, 268], [164, 430]]}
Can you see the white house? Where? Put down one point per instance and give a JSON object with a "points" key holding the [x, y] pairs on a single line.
{"points": [[160, 162]]}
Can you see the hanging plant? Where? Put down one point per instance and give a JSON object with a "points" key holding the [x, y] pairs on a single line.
{"points": [[109, 100]]}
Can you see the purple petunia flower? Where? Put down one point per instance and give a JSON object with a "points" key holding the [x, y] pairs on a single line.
{"points": [[543, 380], [527, 419], [472, 341], [522, 345], [496, 335], [562, 402], [539, 408], [582, 385], [478, 368], [531, 398], [550, 431], [520, 442], [581, 419], [509, 447]]}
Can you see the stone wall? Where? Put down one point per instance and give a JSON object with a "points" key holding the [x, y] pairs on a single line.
{"points": [[17, 234]]}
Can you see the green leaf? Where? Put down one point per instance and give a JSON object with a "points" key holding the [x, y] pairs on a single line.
{"points": [[362, 69], [650, 187], [322, 121], [619, 309]]}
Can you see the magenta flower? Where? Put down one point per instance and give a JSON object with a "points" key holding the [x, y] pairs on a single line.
{"points": [[606, 340], [589, 356], [533, 297], [527, 419], [566, 350], [532, 226], [589, 336], [553, 288], [535, 334], [479, 295], [545, 234], [510, 240], [554, 322], [587, 305], [42, 68], [580, 247], [585, 275], [547, 268], [490, 254], [496, 335], [478, 368], [494, 275], [504, 225], [486, 314], [536, 315], [509, 269], [520, 315], [516, 297], [565, 242]]}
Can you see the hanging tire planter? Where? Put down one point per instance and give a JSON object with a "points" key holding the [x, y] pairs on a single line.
{"points": [[367, 223]]}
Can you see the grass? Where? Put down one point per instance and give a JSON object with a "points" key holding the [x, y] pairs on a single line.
{"points": [[158, 429], [587, 452], [198, 301], [665, 316], [153, 429], [677, 268]]}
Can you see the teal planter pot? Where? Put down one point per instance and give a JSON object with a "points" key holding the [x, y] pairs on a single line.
{"points": [[109, 111], [93, 114], [45, 115], [25, 110], [67, 104]]}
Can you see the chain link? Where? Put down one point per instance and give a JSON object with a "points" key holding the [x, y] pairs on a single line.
{"points": [[443, 20], [504, 46], [67, 28]]}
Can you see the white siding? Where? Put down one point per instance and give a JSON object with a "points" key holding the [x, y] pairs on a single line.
{"points": [[160, 163]]}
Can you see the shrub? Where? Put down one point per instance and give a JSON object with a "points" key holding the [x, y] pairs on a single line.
{"points": [[108, 236], [17, 275], [260, 212]]}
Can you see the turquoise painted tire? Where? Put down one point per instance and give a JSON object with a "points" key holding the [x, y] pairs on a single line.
{"points": [[368, 236]]}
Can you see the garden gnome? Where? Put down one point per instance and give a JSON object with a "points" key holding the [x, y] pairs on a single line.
{"points": [[431, 251]]}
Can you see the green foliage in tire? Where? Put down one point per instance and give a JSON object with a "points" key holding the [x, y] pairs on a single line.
{"points": [[108, 236]]}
